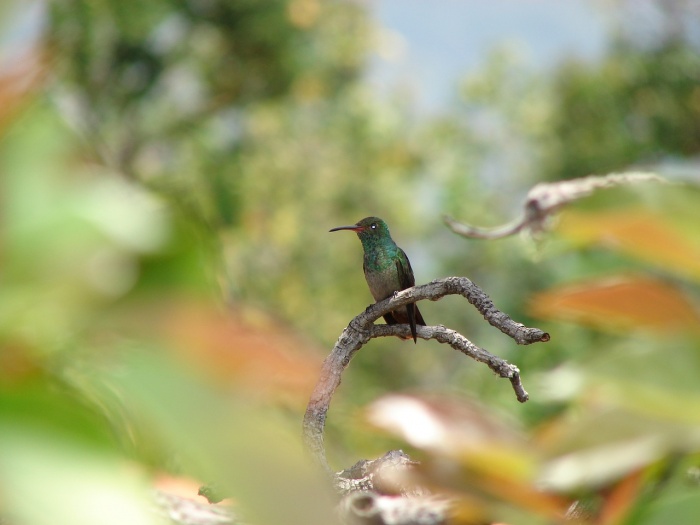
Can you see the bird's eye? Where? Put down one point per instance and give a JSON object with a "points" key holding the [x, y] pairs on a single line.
{"points": [[373, 226]]}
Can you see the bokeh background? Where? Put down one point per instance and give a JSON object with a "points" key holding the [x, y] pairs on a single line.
{"points": [[168, 288]]}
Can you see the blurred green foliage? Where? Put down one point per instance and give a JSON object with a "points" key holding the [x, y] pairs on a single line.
{"points": [[651, 102], [188, 152]]}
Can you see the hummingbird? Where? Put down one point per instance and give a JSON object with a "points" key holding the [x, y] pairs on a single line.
{"points": [[387, 269]]}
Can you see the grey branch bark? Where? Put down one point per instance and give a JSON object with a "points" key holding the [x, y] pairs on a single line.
{"points": [[362, 329], [184, 511], [545, 199], [371, 508], [380, 492]]}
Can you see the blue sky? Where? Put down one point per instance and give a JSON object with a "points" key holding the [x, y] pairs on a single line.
{"points": [[429, 45]]}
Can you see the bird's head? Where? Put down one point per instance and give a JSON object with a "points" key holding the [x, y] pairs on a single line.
{"points": [[368, 228]]}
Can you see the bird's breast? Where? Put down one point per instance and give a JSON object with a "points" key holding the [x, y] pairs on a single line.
{"points": [[382, 280]]}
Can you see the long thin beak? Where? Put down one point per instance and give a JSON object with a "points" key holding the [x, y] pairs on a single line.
{"points": [[354, 228]]}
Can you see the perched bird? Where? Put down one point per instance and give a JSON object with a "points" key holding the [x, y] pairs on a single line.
{"points": [[387, 269]]}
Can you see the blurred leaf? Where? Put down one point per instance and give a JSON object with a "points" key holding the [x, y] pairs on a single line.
{"points": [[641, 233], [470, 453], [441, 423], [57, 464], [653, 379], [673, 406], [605, 447], [621, 498], [239, 347], [47, 480], [637, 404], [620, 304], [635, 105], [248, 451], [678, 504]]}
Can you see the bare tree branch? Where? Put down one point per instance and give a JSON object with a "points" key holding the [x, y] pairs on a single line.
{"points": [[184, 511], [370, 491], [545, 199], [362, 329], [384, 475], [461, 344], [379, 509]]}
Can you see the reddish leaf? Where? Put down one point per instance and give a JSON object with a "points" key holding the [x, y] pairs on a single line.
{"points": [[621, 302], [254, 350], [620, 499], [640, 233], [240, 347]]}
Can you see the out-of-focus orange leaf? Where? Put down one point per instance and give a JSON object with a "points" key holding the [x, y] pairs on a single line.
{"points": [[621, 498], [17, 363], [245, 346], [641, 233], [238, 346], [619, 303]]}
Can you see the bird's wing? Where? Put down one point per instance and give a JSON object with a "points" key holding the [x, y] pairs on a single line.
{"points": [[406, 280], [403, 266]]}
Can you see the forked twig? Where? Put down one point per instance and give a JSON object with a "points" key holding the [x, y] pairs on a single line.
{"points": [[362, 329]]}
